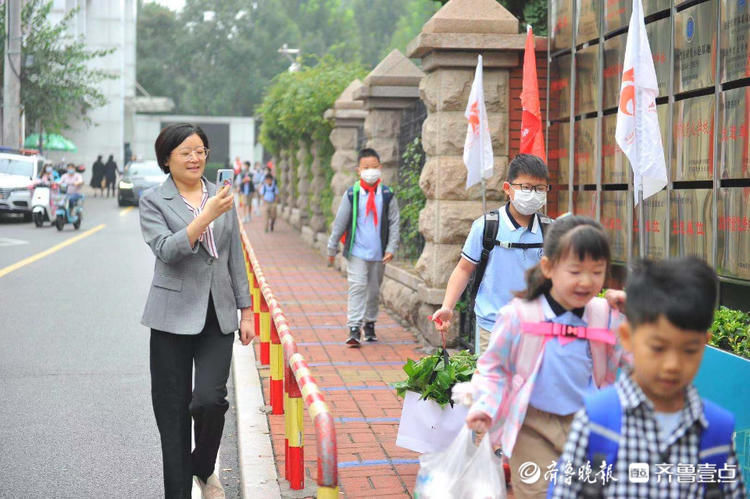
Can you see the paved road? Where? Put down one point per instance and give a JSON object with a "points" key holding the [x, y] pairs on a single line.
{"points": [[75, 407]]}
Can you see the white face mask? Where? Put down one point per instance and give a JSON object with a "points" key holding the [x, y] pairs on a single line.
{"points": [[528, 203], [371, 175]]}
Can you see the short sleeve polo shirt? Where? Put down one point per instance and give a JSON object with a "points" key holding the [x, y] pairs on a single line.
{"points": [[506, 266]]}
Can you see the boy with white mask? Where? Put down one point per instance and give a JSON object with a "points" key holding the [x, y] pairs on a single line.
{"points": [[518, 241], [368, 220]]}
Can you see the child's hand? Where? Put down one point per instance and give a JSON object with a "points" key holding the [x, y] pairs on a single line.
{"points": [[330, 260], [442, 319], [478, 421], [616, 299], [388, 257]]}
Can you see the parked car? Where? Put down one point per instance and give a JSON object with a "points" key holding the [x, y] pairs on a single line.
{"points": [[18, 169], [139, 176]]}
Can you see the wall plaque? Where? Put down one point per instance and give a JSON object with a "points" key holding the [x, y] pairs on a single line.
{"points": [[584, 203], [557, 156], [584, 157], [655, 228], [563, 205], [690, 231], [734, 133], [615, 166], [735, 39], [658, 33], [692, 139], [615, 206], [614, 55], [733, 250], [588, 20], [587, 80], [559, 87], [695, 47], [561, 23], [617, 12]]}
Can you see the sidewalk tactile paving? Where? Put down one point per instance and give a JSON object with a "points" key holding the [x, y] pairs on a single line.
{"points": [[355, 382]]}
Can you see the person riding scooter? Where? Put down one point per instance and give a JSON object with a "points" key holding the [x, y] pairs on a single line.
{"points": [[73, 180]]}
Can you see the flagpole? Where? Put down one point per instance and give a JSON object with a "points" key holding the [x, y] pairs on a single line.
{"points": [[636, 115], [484, 195]]}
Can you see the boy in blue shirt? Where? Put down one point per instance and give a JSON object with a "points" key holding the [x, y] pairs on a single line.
{"points": [[653, 417], [368, 217], [268, 193], [520, 224]]}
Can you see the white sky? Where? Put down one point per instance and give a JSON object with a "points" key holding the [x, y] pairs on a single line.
{"points": [[172, 4]]}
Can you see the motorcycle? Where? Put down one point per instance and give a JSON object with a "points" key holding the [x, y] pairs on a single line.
{"points": [[65, 213], [43, 206]]}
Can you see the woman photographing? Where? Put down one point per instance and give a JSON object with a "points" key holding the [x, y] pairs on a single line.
{"points": [[199, 283]]}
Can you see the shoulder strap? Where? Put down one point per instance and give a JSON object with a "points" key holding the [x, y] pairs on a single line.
{"points": [[605, 415], [598, 313], [489, 235], [353, 194], [716, 441], [544, 223]]}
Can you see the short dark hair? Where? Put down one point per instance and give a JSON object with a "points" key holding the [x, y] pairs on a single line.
{"points": [[367, 152], [172, 136], [683, 290], [572, 234], [268, 176], [527, 164]]}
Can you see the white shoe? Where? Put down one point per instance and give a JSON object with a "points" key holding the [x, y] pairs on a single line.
{"points": [[212, 489]]}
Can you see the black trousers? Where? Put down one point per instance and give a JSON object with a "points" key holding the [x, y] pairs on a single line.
{"points": [[176, 400]]}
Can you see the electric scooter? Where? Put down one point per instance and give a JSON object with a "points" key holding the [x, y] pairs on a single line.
{"points": [[65, 213], [43, 207]]}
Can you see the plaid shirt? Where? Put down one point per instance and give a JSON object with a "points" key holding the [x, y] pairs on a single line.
{"points": [[639, 443]]}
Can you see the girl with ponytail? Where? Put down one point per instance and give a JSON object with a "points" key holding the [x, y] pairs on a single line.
{"points": [[551, 346]]}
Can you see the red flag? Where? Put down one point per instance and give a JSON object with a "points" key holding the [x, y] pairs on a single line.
{"points": [[532, 138]]}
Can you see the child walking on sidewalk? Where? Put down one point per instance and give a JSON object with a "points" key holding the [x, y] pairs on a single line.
{"points": [[368, 217], [548, 349], [653, 416], [268, 193]]}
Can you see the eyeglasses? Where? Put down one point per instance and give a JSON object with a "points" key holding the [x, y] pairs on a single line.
{"points": [[534, 188], [200, 153]]}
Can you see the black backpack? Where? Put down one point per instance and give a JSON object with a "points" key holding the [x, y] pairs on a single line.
{"points": [[489, 241]]}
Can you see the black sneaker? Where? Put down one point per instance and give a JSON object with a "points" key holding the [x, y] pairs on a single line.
{"points": [[369, 330], [353, 340]]}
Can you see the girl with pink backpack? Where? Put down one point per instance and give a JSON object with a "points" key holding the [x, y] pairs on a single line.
{"points": [[551, 346]]}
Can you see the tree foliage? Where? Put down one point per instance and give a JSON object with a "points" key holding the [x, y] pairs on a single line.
{"points": [[293, 108], [59, 85], [532, 12]]}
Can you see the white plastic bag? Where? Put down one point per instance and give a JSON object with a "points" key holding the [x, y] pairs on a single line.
{"points": [[482, 477], [439, 471], [427, 427]]}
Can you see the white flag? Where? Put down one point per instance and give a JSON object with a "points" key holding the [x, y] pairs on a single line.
{"points": [[638, 133], [478, 146]]}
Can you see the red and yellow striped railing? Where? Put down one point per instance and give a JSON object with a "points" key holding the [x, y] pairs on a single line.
{"points": [[292, 386]]}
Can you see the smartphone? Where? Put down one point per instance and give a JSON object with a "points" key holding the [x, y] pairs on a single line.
{"points": [[224, 177]]}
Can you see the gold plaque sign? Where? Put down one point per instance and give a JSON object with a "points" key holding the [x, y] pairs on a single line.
{"points": [[559, 87], [658, 33], [584, 157], [588, 20], [691, 230], [655, 228], [615, 206], [733, 250], [584, 203], [735, 133], [735, 39], [587, 80], [561, 23], [557, 157], [692, 139], [695, 47], [615, 166], [614, 55]]}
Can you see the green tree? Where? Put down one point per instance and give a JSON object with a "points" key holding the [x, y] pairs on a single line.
{"points": [[410, 24], [158, 37], [58, 85]]}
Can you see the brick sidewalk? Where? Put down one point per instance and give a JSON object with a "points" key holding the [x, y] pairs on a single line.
{"points": [[355, 382]]}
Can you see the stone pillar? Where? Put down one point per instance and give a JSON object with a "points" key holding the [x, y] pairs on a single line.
{"points": [[392, 86], [318, 219], [348, 116], [448, 47], [285, 191], [300, 214]]}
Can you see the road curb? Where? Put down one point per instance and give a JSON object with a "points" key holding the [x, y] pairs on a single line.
{"points": [[257, 463]]}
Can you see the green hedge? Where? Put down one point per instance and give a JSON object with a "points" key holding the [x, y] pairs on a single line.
{"points": [[730, 331]]}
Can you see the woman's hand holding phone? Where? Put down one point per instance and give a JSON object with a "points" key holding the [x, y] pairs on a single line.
{"points": [[219, 204]]}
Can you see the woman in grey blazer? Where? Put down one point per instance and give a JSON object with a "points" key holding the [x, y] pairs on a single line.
{"points": [[199, 283]]}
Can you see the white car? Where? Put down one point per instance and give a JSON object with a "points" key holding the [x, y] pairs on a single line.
{"points": [[17, 174]]}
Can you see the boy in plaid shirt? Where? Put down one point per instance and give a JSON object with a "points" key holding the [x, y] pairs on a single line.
{"points": [[669, 309]]}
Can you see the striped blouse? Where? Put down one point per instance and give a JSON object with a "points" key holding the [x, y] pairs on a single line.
{"points": [[207, 238]]}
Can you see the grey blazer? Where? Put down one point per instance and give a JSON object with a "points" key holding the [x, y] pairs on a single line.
{"points": [[184, 275]]}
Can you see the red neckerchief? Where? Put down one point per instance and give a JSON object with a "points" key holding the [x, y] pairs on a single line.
{"points": [[370, 199]]}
